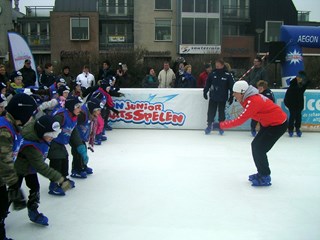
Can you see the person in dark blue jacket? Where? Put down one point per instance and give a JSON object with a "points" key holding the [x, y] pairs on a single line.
{"points": [[219, 85]]}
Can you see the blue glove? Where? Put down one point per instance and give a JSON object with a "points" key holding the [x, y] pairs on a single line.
{"points": [[82, 150], [215, 125]]}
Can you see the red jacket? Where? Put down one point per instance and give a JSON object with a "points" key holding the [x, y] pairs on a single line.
{"points": [[201, 81], [259, 108]]}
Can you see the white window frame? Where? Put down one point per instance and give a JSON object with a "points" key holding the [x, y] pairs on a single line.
{"points": [[163, 19], [79, 18], [267, 31], [117, 8]]}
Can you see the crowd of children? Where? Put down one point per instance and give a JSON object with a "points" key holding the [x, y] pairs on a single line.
{"points": [[37, 123]]}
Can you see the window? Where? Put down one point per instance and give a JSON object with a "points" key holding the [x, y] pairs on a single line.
{"points": [[163, 4], [201, 6], [200, 31], [273, 30], [79, 28], [163, 30], [187, 5], [213, 6]]}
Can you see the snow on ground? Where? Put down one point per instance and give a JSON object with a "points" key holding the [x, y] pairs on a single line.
{"points": [[184, 185]]}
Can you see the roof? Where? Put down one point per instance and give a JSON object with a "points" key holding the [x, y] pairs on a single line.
{"points": [[75, 6]]}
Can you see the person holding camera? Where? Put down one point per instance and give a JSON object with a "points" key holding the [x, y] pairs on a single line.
{"points": [[123, 78]]}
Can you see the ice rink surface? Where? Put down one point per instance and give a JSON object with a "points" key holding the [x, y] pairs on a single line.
{"points": [[184, 185]]}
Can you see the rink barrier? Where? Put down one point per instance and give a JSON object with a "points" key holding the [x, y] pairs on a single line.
{"points": [[173, 108]]}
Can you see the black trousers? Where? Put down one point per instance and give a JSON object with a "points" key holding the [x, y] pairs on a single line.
{"points": [[32, 183], [212, 110], [262, 143], [294, 119], [61, 165], [4, 202]]}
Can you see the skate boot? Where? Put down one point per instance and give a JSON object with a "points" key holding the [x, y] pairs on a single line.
{"points": [[253, 176], [299, 133], [108, 127], [208, 130], [261, 181], [253, 133], [72, 183], [89, 170], [55, 189], [290, 133], [221, 132], [78, 174], [37, 217], [97, 140]]}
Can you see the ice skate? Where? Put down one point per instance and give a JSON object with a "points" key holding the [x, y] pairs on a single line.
{"points": [[261, 181], [89, 170], [78, 174], [37, 217], [221, 132], [299, 133], [55, 189], [290, 133], [253, 133], [208, 130], [253, 176]]}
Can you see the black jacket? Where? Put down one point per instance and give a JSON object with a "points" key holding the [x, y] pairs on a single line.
{"points": [[29, 76], [220, 83], [294, 97]]}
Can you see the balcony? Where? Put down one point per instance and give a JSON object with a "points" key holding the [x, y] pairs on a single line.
{"points": [[303, 16], [235, 13], [38, 42], [116, 11], [38, 11], [116, 41]]}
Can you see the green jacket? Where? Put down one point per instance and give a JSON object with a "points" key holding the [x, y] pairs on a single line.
{"points": [[29, 156], [8, 175]]}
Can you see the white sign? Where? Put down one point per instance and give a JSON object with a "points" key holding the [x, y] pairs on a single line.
{"points": [[200, 49], [117, 38]]}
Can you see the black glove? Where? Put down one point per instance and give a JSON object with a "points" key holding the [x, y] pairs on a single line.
{"points": [[33, 91], [230, 100], [16, 196], [205, 95]]}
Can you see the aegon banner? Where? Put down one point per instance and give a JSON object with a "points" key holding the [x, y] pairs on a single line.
{"points": [[187, 109]]}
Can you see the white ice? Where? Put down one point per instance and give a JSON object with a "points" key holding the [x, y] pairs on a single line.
{"points": [[184, 185]]}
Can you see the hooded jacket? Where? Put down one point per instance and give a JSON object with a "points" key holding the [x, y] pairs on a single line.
{"points": [[259, 108]]}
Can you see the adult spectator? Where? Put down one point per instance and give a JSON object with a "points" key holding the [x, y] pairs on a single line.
{"points": [[47, 77], [166, 76], [106, 71], [150, 80], [28, 74], [67, 76], [123, 77], [219, 83], [86, 78], [4, 77], [257, 73], [294, 101], [187, 80], [201, 81]]}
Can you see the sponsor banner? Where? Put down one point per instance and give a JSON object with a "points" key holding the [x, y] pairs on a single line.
{"points": [[187, 109], [20, 52], [200, 49]]}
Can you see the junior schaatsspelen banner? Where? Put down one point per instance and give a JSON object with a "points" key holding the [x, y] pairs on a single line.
{"points": [[187, 109]]}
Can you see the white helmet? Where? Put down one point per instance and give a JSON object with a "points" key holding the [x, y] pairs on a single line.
{"points": [[240, 86]]}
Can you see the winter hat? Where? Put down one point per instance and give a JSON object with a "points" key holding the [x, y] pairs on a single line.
{"points": [[240, 87], [72, 103], [94, 104], [15, 74], [3, 101], [47, 126], [22, 107], [63, 89], [61, 80]]}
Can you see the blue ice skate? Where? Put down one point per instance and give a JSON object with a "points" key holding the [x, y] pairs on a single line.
{"points": [[89, 170], [299, 133], [253, 133], [253, 176], [37, 217], [290, 133], [208, 130], [55, 189], [221, 132], [261, 181], [78, 174]]}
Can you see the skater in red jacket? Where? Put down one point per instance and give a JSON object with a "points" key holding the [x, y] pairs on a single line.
{"points": [[273, 123]]}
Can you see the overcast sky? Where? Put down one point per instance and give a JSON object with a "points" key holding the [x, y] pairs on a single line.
{"points": [[301, 5]]}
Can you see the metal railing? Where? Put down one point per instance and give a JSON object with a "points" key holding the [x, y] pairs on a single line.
{"points": [[303, 16], [235, 12], [38, 11], [116, 10]]}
